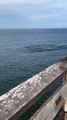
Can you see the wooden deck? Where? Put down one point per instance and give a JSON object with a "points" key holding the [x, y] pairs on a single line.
{"points": [[16, 101]]}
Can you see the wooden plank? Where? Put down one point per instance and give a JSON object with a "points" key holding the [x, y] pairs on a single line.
{"points": [[65, 106], [65, 77], [50, 109], [18, 100], [64, 94], [65, 117]]}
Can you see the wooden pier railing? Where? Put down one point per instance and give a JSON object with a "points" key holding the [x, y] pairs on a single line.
{"points": [[16, 101]]}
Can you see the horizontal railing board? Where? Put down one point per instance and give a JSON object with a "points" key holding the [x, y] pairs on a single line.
{"points": [[49, 109], [19, 99]]}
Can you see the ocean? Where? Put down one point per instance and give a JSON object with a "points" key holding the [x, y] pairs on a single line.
{"points": [[26, 52]]}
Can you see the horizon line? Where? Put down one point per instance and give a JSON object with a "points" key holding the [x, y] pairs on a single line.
{"points": [[32, 28]]}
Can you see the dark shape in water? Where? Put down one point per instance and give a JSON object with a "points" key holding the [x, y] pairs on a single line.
{"points": [[43, 48]]}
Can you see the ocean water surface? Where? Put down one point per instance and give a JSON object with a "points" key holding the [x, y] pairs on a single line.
{"points": [[25, 52]]}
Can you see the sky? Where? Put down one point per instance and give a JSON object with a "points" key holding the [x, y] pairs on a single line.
{"points": [[33, 14]]}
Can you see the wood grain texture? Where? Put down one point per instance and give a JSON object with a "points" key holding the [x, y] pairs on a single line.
{"points": [[50, 109], [19, 99]]}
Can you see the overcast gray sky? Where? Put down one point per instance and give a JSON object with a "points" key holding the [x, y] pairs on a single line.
{"points": [[33, 13]]}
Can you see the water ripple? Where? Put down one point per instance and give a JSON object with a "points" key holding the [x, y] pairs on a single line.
{"points": [[43, 48]]}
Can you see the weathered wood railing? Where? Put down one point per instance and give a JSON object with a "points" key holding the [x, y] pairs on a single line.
{"points": [[16, 101]]}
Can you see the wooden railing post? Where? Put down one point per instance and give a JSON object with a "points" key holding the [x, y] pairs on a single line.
{"points": [[65, 116], [65, 78], [65, 104]]}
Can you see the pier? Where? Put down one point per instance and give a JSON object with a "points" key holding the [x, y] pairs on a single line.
{"points": [[18, 100]]}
